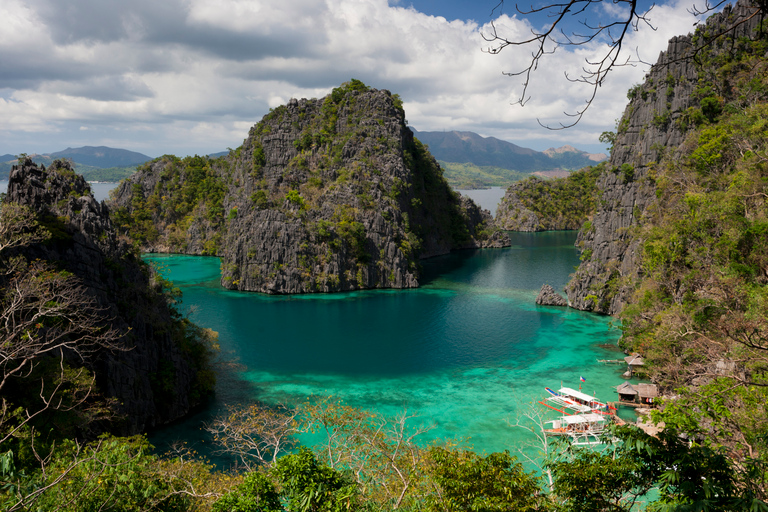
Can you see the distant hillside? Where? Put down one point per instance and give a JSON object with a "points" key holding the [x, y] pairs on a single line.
{"points": [[102, 156], [469, 147], [490, 159], [93, 163], [467, 176], [570, 157]]}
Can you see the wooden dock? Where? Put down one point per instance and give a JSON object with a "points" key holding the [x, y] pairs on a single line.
{"points": [[620, 422], [629, 404]]}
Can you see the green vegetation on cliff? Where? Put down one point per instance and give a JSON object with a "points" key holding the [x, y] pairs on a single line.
{"points": [[561, 203], [187, 190], [108, 174], [324, 195], [91, 343], [698, 309], [703, 295]]}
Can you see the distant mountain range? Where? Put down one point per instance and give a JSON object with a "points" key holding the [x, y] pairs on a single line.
{"points": [[469, 160], [469, 147], [95, 163], [472, 161], [102, 156]]}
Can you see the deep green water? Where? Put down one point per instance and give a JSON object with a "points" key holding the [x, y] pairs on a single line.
{"points": [[468, 351]]}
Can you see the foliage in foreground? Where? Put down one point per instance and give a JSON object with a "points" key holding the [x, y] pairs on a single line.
{"points": [[364, 461], [53, 332]]}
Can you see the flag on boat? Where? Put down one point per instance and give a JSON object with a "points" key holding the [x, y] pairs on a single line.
{"points": [[582, 379]]}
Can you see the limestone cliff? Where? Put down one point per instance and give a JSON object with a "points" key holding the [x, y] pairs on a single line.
{"points": [[677, 94], [324, 195], [160, 373]]}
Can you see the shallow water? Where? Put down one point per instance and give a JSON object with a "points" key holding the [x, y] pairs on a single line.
{"points": [[468, 351]]}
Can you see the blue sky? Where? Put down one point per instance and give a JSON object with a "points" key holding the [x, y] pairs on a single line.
{"points": [[477, 10], [192, 76]]}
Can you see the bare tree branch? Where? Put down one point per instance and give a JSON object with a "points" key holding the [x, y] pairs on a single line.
{"points": [[255, 434], [612, 34]]}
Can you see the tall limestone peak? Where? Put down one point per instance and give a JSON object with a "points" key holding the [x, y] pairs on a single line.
{"points": [[324, 195], [679, 92], [157, 371]]}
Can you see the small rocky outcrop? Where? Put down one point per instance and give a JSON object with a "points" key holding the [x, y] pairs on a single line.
{"points": [[549, 297], [153, 378], [513, 215], [653, 127], [324, 195]]}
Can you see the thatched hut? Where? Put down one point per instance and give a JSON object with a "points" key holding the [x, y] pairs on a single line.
{"points": [[646, 393], [627, 393], [634, 362]]}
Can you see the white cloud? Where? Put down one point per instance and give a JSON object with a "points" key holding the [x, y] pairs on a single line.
{"points": [[190, 76]]}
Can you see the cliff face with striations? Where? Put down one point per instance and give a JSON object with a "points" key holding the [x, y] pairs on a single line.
{"points": [[155, 378], [660, 112], [324, 195]]}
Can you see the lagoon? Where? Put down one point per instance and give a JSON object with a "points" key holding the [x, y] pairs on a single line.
{"points": [[469, 351], [100, 190], [487, 198]]}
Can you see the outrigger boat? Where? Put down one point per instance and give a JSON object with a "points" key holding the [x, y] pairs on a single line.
{"points": [[583, 429], [567, 398]]}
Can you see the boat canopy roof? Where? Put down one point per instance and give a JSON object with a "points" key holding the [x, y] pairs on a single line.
{"points": [[584, 418], [576, 394]]}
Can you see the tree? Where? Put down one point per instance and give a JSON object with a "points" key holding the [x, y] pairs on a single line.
{"points": [[533, 421], [310, 486], [687, 475], [111, 473], [49, 325], [466, 481], [255, 434], [555, 34], [257, 493], [381, 451], [295, 483]]}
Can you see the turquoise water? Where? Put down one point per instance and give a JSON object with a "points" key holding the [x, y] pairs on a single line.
{"points": [[468, 351]]}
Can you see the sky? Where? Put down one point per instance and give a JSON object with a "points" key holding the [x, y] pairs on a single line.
{"points": [[192, 76]]}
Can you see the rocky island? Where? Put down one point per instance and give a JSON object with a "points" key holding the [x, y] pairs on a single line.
{"points": [[324, 195], [563, 203]]}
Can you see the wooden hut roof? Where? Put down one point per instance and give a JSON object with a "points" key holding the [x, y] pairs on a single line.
{"points": [[647, 390], [634, 360], [626, 389]]}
